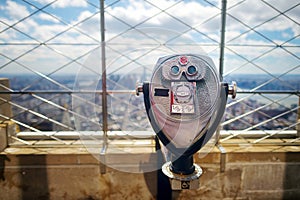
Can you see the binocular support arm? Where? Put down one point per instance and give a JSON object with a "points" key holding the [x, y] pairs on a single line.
{"points": [[182, 161], [226, 90]]}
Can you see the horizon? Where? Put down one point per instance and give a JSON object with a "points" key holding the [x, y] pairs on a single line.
{"points": [[122, 74]]}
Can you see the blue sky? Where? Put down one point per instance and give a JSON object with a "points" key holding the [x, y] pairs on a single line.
{"points": [[199, 20]]}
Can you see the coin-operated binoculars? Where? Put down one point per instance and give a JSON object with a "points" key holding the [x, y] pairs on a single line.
{"points": [[185, 102]]}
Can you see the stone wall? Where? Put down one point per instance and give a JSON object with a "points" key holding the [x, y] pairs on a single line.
{"points": [[256, 172]]}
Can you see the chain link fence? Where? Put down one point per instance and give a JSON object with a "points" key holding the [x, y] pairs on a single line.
{"points": [[72, 65]]}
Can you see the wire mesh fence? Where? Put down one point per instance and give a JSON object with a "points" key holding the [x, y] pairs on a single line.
{"points": [[63, 57]]}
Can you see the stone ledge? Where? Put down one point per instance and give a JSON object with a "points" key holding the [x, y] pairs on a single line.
{"points": [[250, 172], [126, 153]]}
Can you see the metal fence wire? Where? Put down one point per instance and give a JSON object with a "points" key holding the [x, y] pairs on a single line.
{"points": [[72, 65]]}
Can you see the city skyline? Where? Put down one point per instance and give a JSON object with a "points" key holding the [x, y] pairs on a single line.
{"points": [[126, 111]]}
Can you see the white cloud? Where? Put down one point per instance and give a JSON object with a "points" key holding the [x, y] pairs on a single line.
{"points": [[192, 13], [257, 13], [14, 10], [71, 3], [64, 3], [140, 14], [134, 12], [46, 17]]}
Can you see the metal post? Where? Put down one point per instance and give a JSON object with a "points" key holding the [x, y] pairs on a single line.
{"points": [[298, 119], [222, 42], [222, 49], [5, 108], [104, 88], [6, 112], [103, 62]]}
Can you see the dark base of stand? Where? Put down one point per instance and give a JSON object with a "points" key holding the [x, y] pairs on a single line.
{"points": [[183, 165]]}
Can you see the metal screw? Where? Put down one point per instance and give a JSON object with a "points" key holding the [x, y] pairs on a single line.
{"points": [[232, 89], [138, 88]]}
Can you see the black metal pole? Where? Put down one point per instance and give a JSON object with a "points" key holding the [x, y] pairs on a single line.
{"points": [[164, 190], [183, 165]]}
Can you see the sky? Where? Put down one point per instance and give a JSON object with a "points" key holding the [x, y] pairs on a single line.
{"points": [[60, 36]]}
